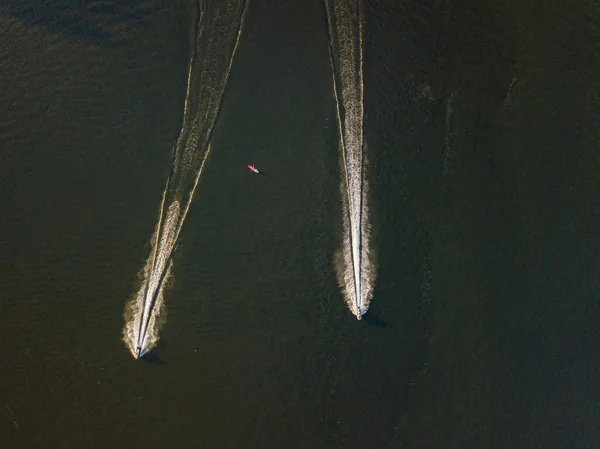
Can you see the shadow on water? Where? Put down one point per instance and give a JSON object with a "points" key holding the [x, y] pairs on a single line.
{"points": [[373, 319], [152, 359], [97, 23]]}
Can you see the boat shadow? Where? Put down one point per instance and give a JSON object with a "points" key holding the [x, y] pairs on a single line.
{"points": [[152, 359], [373, 319]]}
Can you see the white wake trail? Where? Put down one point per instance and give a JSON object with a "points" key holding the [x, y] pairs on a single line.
{"points": [[355, 267], [218, 32]]}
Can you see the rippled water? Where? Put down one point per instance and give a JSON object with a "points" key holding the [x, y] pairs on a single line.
{"points": [[481, 120]]}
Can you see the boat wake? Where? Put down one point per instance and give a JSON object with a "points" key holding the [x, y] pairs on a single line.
{"points": [[354, 266], [218, 30]]}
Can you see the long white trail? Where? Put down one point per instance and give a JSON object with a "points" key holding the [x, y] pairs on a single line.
{"points": [[217, 36], [355, 267]]}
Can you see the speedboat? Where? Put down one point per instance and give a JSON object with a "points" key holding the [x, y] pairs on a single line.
{"points": [[253, 169]]}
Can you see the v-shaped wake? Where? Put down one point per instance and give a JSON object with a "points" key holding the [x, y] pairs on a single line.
{"points": [[217, 36], [355, 267]]}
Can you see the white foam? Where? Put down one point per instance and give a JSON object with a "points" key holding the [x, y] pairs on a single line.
{"points": [[354, 265], [218, 36]]}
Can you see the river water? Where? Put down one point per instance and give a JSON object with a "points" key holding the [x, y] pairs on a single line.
{"points": [[482, 126]]}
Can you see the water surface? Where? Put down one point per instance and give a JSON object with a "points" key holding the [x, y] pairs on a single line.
{"points": [[481, 120]]}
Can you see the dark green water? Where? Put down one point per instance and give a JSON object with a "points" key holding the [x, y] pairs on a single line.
{"points": [[483, 167]]}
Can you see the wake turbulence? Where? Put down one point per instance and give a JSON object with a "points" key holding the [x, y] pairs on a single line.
{"points": [[217, 35], [354, 267]]}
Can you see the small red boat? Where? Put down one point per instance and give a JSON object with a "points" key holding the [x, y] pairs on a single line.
{"points": [[253, 169]]}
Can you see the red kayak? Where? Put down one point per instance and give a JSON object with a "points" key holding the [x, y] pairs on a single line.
{"points": [[253, 169]]}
